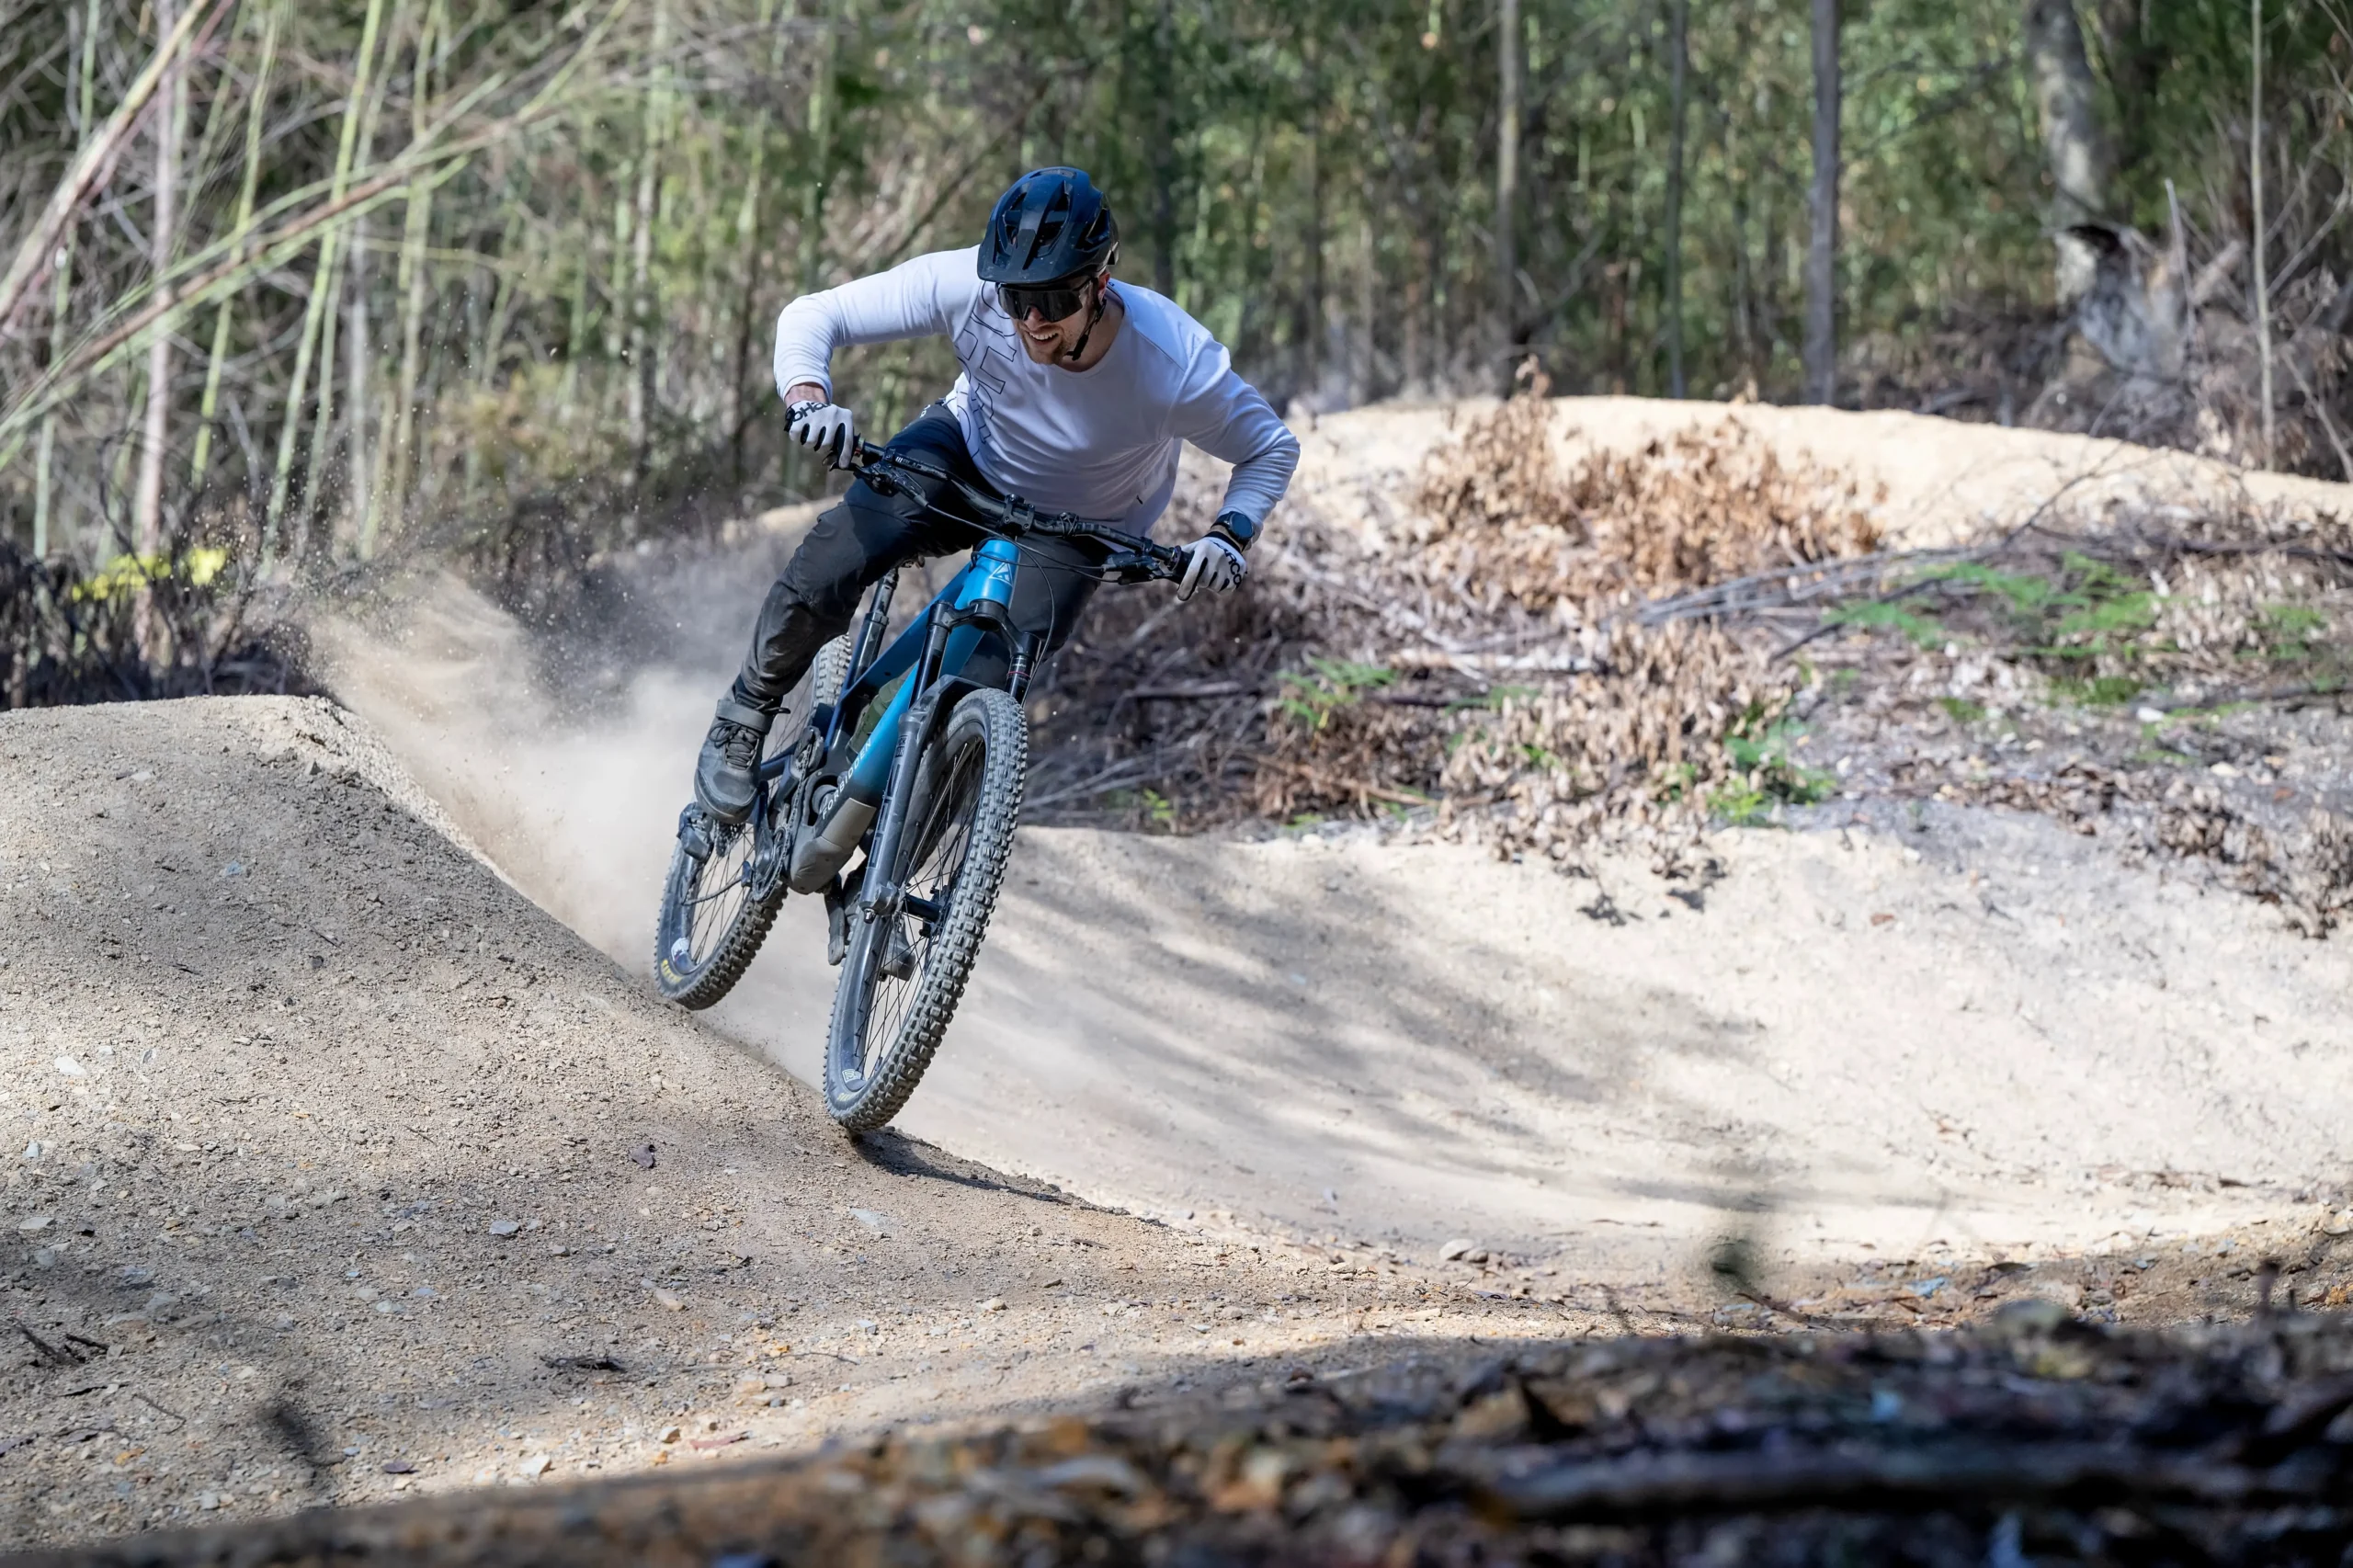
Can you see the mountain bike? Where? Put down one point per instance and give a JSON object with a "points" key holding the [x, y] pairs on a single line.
{"points": [[889, 785]]}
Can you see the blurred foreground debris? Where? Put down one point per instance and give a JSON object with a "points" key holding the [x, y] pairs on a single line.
{"points": [[2033, 1436]]}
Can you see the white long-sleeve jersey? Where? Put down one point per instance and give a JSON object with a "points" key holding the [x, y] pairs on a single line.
{"points": [[1102, 442]]}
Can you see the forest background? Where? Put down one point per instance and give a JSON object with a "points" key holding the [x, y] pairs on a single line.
{"points": [[288, 283]]}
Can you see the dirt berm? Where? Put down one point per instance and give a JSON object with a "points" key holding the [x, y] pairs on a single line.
{"points": [[336, 1169]]}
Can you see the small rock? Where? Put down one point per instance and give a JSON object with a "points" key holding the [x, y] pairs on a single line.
{"points": [[877, 1223], [399, 1467], [388, 1308], [38, 1222], [282, 1321], [536, 1465], [71, 1068], [504, 1227], [2037, 1315], [667, 1302], [426, 1293], [669, 1434], [133, 1279], [208, 1500], [1459, 1247], [643, 1155], [44, 1257], [993, 1304]]}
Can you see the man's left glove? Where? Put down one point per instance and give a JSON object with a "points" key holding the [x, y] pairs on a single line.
{"points": [[1215, 560], [827, 427]]}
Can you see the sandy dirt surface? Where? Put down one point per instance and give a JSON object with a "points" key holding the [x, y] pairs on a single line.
{"points": [[1976, 1035], [329, 1131], [324, 1176]]}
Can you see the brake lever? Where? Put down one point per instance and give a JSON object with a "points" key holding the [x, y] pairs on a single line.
{"points": [[1135, 566]]}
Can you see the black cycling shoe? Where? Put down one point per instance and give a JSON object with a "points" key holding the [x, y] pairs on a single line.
{"points": [[726, 775]]}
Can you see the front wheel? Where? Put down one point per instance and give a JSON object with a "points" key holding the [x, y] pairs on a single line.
{"points": [[903, 975]]}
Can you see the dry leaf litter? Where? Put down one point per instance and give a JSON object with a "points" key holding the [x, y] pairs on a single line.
{"points": [[1544, 656]]}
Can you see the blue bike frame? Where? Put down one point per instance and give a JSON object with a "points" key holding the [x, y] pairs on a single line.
{"points": [[989, 578]]}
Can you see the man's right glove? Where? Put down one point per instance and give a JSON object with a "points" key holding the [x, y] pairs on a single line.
{"points": [[827, 427]]}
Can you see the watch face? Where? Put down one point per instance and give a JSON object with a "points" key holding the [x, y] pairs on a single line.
{"points": [[1244, 528]]}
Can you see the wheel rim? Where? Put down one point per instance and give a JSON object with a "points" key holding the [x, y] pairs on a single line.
{"points": [[945, 835], [716, 891]]}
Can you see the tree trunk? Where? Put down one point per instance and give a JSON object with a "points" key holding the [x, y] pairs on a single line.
{"points": [[79, 108], [1507, 330], [2082, 160], [642, 352], [821, 156], [415, 233], [2256, 224], [171, 124], [1164, 151], [1678, 44], [321, 294], [257, 105], [747, 256], [1310, 346], [1821, 251], [358, 354]]}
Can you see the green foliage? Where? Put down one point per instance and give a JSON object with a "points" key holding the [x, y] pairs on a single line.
{"points": [[1890, 616], [1963, 710], [1762, 750], [1314, 695], [2294, 631], [124, 576], [1316, 180], [2099, 691]]}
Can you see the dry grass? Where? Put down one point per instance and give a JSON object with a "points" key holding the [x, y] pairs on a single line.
{"points": [[1476, 657]]}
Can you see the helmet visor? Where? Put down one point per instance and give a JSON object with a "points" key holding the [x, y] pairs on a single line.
{"points": [[1058, 300]]}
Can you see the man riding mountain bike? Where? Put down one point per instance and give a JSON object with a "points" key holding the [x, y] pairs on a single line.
{"points": [[1076, 395]]}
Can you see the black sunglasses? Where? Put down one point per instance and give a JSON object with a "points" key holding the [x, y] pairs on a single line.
{"points": [[1058, 300]]}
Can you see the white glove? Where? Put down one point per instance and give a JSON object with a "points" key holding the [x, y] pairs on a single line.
{"points": [[827, 427], [1211, 561]]}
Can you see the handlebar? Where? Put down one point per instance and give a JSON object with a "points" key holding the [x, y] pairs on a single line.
{"points": [[1127, 557]]}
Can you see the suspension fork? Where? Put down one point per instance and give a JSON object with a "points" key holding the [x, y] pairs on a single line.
{"points": [[881, 894], [985, 605]]}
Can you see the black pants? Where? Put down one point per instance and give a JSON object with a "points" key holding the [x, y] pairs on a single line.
{"points": [[867, 534]]}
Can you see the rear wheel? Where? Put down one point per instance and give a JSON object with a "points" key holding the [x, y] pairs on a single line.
{"points": [[903, 976], [710, 924]]}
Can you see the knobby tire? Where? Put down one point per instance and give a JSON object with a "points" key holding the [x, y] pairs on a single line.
{"points": [[714, 964], [864, 1090]]}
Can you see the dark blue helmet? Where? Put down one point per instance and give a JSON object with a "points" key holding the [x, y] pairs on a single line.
{"points": [[1052, 224]]}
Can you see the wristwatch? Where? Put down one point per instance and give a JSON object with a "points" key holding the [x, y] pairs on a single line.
{"points": [[1238, 527]]}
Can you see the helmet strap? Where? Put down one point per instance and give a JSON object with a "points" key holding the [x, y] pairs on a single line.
{"points": [[1094, 317]]}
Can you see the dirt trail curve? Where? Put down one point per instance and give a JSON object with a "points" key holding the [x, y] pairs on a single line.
{"points": [[1977, 1036], [322, 1174]]}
